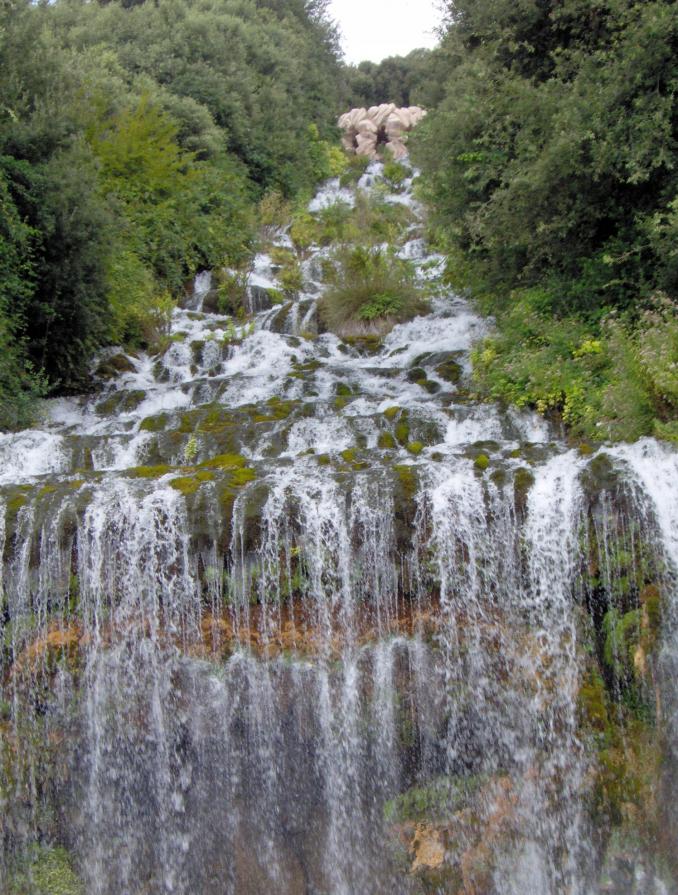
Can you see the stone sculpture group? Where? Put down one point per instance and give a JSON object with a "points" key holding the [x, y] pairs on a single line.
{"points": [[366, 130]]}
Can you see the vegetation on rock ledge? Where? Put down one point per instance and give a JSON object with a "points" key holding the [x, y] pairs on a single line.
{"points": [[549, 171]]}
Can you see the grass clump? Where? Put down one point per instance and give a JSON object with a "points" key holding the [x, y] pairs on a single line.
{"points": [[369, 290]]}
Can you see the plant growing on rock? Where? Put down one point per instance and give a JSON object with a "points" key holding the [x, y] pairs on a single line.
{"points": [[369, 291]]}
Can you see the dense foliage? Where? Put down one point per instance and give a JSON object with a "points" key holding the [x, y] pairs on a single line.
{"points": [[550, 171], [135, 140], [404, 80]]}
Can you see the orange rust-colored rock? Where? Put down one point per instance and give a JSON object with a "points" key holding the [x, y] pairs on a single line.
{"points": [[429, 851], [59, 640]]}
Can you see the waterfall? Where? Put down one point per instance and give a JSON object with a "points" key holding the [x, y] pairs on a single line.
{"points": [[285, 613]]}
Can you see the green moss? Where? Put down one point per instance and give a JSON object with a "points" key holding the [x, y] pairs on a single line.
{"points": [[434, 802], [154, 423], [197, 346], [498, 476], [450, 371], [402, 432], [190, 484], [650, 598], [622, 638], [592, 702], [386, 441], [407, 477], [224, 461], [348, 456], [148, 472], [523, 479], [15, 503], [215, 420], [120, 402], [392, 412], [343, 390], [431, 387], [415, 447], [340, 403], [279, 410], [240, 477], [416, 374], [45, 871], [47, 489], [368, 344], [323, 459], [481, 462]]}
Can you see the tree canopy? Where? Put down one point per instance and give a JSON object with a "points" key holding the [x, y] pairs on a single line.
{"points": [[549, 166], [135, 139]]}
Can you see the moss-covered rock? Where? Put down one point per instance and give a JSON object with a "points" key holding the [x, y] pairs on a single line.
{"points": [[450, 371], [386, 441], [402, 431], [120, 402], [154, 423], [523, 479], [45, 871], [481, 462], [190, 484], [225, 461], [148, 472], [115, 365]]}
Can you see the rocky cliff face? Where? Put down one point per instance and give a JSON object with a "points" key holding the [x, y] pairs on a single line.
{"points": [[288, 613]]}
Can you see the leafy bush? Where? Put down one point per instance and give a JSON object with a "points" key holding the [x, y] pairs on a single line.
{"points": [[548, 169], [369, 290], [356, 166], [231, 291], [395, 173], [121, 175], [370, 221], [616, 380]]}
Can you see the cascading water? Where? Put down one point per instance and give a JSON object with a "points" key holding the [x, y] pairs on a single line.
{"points": [[286, 614]]}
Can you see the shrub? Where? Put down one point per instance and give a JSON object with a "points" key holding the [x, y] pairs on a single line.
{"points": [[369, 290], [355, 168], [614, 380], [231, 291], [395, 173]]}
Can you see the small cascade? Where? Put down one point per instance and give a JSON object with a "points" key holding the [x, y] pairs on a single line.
{"points": [[288, 613]]}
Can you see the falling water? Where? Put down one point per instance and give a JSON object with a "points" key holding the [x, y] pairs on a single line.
{"points": [[255, 642]]}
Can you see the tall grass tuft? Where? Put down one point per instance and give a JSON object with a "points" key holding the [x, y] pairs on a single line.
{"points": [[369, 291]]}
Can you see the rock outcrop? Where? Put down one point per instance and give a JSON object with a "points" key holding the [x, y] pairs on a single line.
{"points": [[366, 130]]}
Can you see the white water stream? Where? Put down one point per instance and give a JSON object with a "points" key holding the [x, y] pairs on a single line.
{"points": [[234, 689]]}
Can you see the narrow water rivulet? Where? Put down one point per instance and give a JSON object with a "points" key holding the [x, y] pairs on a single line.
{"points": [[284, 613]]}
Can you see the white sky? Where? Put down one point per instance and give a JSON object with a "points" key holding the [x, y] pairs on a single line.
{"points": [[374, 29]]}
